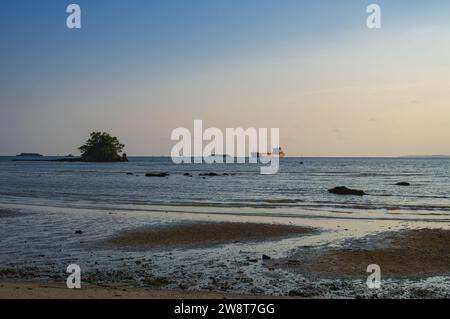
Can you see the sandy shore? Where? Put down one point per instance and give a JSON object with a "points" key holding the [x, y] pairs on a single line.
{"points": [[408, 254], [35, 290], [203, 234], [415, 263]]}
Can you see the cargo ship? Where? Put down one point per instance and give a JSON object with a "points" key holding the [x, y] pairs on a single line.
{"points": [[276, 152]]}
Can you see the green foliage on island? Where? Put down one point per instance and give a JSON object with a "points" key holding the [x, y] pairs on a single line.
{"points": [[102, 147]]}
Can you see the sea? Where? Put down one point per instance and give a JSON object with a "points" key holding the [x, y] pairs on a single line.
{"points": [[300, 187]]}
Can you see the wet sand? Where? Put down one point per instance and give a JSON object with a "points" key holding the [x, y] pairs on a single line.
{"points": [[35, 290], [203, 234], [409, 257], [406, 254]]}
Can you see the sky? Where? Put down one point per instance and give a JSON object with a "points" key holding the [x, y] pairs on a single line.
{"points": [[139, 69]]}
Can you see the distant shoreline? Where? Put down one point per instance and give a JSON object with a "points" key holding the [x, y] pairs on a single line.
{"points": [[52, 158]]}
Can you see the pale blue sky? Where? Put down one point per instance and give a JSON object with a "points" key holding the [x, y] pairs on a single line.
{"points": [[139, 69]]}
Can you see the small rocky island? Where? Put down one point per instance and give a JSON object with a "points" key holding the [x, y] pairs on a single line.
{"points": [[102, 147], [29, 155]]}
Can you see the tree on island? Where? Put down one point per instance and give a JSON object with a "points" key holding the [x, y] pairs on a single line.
{"points": [[102, 147]]}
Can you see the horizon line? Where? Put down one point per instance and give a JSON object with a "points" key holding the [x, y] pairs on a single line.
{"points": [[309, 156]]}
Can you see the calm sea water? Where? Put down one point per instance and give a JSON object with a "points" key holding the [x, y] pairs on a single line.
{"points": [[296, 188]]}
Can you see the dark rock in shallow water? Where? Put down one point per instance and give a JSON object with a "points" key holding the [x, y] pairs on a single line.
{"points": [[403, 184], [130, 174], [187, 174], [342, 190], [209, 174], [78, 232], [163, 174], [265, 257]]}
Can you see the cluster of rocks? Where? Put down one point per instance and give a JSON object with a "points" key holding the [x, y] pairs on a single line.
{"points": [[166, 174], [213, 174], [160, 174]]}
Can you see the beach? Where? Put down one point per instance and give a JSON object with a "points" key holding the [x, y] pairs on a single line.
{"points": [[189, 254], [225, 236], [416, 255]]}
